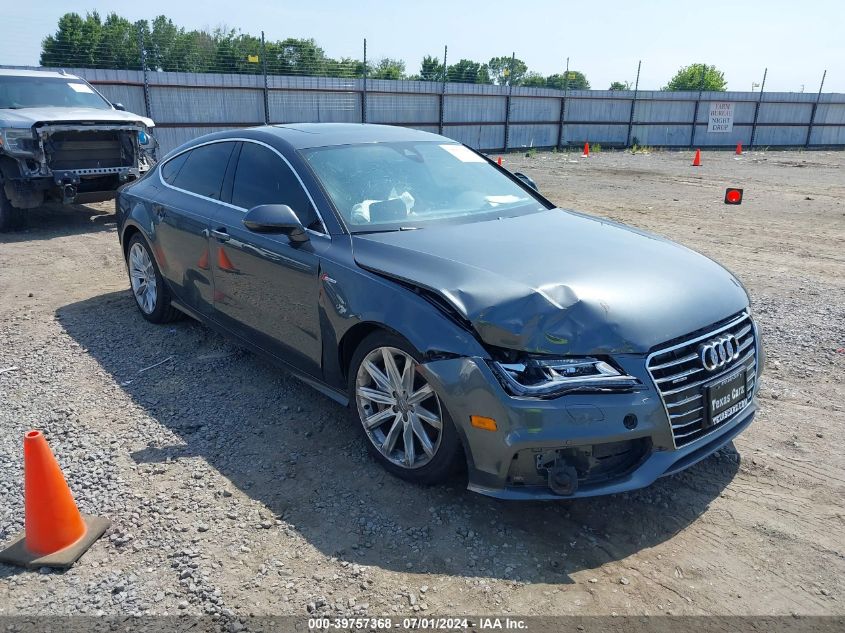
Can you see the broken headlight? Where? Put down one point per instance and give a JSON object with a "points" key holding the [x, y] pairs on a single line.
{"points": [[17, 140], [547, 377]]}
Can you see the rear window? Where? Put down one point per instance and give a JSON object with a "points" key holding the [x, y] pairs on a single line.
{"points": [[170, 169], [202, 171]]}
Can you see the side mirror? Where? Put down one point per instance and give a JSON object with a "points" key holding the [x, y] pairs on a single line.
{"points": [[275, 218], [119, 106], [528, 181]]}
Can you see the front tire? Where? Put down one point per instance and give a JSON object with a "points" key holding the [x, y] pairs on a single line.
{"points": [[408, 429], [151, 294]]}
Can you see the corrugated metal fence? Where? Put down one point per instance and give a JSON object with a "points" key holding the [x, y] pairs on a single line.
{"points": [[487, 117]]}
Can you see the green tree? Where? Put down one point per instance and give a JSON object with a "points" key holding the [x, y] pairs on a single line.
{"points": [[698, 77], [431, 69], [345, 67], [620, 85], [507, 70], [73, 43], [387, 68], [533, 79], [575, 81], [93, 43], [118, 44], [467, 71]]}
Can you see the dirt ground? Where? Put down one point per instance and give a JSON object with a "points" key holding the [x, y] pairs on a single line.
{"points": [[235, 489]]}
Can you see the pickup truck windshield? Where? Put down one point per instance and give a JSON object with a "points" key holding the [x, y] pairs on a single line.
{"points": [[40, 92], [388, 186]]}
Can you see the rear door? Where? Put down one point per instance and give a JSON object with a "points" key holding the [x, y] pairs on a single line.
{"points": [[182, 217], [266, 286]]}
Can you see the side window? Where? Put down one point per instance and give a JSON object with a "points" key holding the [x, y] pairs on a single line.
{"points": [[170, 169], [203, 170], [263, 178]]}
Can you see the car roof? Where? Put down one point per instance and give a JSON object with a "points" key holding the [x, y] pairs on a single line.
{"points": [[21, 72], [295, 136], [307, 135]]}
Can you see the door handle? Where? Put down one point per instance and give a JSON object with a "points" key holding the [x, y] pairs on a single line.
{"points": [[220, 234]]}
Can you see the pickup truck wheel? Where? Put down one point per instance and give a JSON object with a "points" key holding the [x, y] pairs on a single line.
{"points": [[11, 218], [151, 294]]}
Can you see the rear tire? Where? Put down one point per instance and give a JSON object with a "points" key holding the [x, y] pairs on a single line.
{"points": [[407, 429], [151, 294], [11, 218]]}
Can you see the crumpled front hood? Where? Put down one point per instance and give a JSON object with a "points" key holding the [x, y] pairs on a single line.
{"points": [[27, 117], [559, 282]]}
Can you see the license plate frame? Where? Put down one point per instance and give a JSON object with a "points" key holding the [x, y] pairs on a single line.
{"points": [[725, 397]]}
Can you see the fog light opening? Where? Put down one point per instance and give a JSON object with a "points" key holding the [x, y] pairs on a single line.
{"points": [[630, 421]]}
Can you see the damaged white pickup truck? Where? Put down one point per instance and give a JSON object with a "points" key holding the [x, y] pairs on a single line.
{"points": [[62, 140]]}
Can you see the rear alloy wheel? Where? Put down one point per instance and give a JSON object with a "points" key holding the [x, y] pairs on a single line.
{"points": [[407, 427], [151, 295]]}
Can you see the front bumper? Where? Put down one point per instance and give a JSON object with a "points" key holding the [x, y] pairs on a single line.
{"points": [[530, 429]]}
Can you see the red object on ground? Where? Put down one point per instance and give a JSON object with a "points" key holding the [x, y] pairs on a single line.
{"points": [[739, 149], [499, 161], [55, 533], [586, 150], [52, 520], [696, 162], [223, 261], [733, 195]]}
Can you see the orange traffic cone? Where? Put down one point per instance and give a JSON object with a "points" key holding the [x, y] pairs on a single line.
{"points": [[739, 149], [499, 161], [696, 162], [202, 263], [224, 263], [586, 151], [55, 533]]}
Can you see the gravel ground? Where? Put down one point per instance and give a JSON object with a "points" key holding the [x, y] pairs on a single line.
{"points": [[236, 490]]}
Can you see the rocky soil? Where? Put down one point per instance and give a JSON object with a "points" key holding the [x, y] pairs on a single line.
{"points": [[236, 490]]}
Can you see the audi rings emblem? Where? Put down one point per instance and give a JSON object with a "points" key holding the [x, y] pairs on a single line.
{"points": [[718, 352]]}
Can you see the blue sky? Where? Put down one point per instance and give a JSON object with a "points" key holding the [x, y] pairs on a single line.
{"points": [[604, 39]]}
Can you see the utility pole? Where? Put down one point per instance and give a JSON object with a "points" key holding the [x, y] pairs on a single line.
{"points": [[757, 109]]}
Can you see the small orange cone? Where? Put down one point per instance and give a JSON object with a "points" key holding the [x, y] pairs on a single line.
{"points": [[224, 263], [55, 533], [586, 151], [499, 161], [696, 162], [739, 149], [202, 264]]}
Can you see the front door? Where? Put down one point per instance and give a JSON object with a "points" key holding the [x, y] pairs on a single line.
{"points": [[265, 286]]}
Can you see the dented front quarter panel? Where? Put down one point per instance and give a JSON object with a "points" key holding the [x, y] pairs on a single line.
{"points": [[350, 296]]}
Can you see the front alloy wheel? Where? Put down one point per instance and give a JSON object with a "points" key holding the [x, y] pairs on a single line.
{"points": [[399, 410]]}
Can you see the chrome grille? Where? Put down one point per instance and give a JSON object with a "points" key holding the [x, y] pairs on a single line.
{"points": [[680, 377]]}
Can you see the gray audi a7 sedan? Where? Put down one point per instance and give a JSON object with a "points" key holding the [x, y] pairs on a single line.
{"points": [[462, 317]]}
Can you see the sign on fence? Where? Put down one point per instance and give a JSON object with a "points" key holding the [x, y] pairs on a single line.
{"points": [[721, 116]]}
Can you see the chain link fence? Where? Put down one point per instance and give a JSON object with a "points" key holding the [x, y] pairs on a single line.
{"points": [[253, 82]]}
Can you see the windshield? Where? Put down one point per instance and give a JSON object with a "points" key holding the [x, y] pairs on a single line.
{"points": [[39, 92], [387, 186]]}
